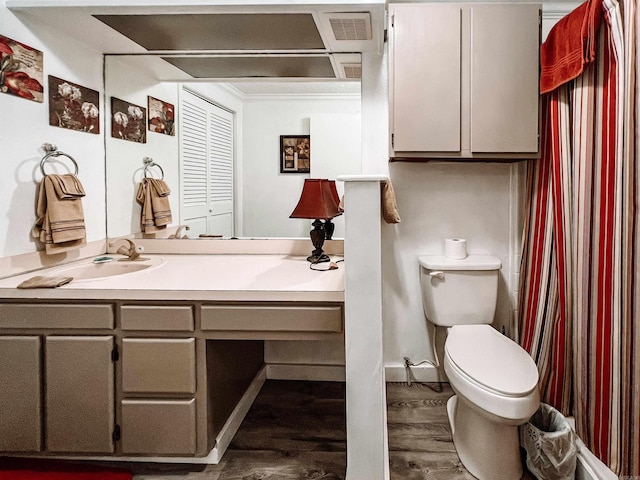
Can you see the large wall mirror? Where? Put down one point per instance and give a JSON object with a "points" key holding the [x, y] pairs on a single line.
{"points": [[255, 110]]}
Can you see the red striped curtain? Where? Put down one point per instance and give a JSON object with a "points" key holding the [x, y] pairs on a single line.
{"points": [[579, 314]]}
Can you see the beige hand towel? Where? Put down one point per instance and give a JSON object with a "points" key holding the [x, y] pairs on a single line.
{"points": [[60, 217], [153, 196], [40, 281], [389, 205]]}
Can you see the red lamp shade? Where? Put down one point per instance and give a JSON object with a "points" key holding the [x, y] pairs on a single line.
{"points": [[319, 199]]}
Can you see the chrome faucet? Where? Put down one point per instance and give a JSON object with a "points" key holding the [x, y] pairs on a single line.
{"points": [[133, 251], [179, 231]]}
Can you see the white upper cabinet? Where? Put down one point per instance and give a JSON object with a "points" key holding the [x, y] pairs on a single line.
{"points": [[464, 80]]}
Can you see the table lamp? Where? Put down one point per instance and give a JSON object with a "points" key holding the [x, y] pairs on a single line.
{"points": [[319, 201]]}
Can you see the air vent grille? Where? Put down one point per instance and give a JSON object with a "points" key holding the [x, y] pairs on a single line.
{"points": [[352, 70], [353, 26]]}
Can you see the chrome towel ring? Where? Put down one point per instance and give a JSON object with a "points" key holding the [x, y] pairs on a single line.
{"points": [[52, 151], [148, 163]]}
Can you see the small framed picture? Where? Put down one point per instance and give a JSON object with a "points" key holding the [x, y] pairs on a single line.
{"points": [[73, 106], [295, 153], [128, 121], [161, 116]]}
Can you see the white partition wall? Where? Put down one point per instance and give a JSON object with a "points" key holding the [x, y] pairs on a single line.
{"points": [[367, 445]]}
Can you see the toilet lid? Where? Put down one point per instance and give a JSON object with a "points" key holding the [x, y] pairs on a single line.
{"points": [[491, 359]]}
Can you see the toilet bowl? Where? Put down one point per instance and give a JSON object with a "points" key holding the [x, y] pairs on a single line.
{"points": [[494, 379], [495, 382]]}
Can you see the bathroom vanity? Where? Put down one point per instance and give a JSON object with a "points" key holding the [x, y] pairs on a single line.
{"points": [[159, 363]]}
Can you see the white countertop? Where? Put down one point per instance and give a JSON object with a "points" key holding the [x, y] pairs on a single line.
{"points": [[199, 277]]}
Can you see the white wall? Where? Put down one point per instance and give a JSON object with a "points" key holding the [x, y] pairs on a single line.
{"points": [[25, 127], [269, 197]]}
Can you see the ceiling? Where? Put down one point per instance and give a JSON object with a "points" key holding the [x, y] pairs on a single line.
{"points": [[240, 39]]}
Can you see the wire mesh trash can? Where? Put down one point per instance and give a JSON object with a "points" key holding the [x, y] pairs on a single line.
{"points": [[550, 445]]}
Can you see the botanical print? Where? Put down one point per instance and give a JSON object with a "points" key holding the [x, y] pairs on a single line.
{"points": [[21, 71], [295, 153], [128, 121], [161, 116], [73, 106]]}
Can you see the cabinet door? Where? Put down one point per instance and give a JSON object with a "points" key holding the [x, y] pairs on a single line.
{"points": [[425, 78], [504, 78], [20, 409], [159, 427], [79, 394]]}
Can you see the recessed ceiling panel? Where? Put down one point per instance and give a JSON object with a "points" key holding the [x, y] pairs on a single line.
{"points": [[307, 66], [263, 31]]}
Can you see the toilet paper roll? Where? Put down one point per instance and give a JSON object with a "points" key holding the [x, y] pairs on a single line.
{"points": [[455, 248]]}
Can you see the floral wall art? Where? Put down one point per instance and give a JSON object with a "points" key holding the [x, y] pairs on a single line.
{"points": [[73, 106], [128, 121], [21, 71], [161, 116]]}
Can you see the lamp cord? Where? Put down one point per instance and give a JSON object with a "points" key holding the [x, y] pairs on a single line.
{"points": [[330, 265]]}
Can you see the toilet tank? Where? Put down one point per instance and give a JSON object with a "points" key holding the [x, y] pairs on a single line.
{"points": [[459, 292]]}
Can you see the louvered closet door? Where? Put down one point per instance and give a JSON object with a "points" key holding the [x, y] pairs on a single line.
{"points": [[206, 155]]}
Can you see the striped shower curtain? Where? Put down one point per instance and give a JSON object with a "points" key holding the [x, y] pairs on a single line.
{"points": [[579, 312]]}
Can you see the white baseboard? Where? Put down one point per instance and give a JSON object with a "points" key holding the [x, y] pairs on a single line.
{"points": [[422, 373], [317, 373]]}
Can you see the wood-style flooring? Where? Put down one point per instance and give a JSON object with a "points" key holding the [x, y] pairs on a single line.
{"points": [[295, 430]]}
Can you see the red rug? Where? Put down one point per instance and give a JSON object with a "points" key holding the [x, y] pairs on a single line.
{"points": [[36, 469]]}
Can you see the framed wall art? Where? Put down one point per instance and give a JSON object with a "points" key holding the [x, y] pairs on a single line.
{"points": [[21, 71], [128, 121], [73, 106], [161, 116], [295, 153]]}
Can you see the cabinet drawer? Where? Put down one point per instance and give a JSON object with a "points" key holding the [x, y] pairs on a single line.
{"points": [[18, 315], [159, 427], [143, 317], [272, 319], [159, 365]]}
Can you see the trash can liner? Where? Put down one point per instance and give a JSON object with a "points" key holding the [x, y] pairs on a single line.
{"points": [[550, 445]]}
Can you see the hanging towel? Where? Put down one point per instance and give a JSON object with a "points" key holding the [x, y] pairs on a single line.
{"points": [[389, 205], [60, 218], [153, 196], [570, 46]]}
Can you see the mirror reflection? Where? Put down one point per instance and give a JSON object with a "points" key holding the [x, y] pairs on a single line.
{"points": [[220, 147]]}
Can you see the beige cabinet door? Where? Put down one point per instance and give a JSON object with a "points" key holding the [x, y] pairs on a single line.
{"points": [[20, 409], [157, 427], [504, 78], [79, 394], [425, 77]]}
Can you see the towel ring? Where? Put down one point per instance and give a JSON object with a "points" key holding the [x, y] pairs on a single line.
{"points": [[52, 151], [148, 163]]}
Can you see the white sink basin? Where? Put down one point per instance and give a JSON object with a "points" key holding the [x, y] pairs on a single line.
{"points": [[98, 271]]}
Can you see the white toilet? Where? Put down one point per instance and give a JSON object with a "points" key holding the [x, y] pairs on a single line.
{"points": [[495, 380]]}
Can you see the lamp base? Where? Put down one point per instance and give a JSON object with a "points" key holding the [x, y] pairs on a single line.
{"points": [[323, 257]]}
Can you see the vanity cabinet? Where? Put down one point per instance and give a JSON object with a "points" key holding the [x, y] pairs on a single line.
{"points": [[56, 387], [158, 407], [78, 393], [464, 80]]}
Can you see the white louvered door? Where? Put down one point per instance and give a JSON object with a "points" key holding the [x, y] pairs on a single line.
{"points": [[206, 158]]}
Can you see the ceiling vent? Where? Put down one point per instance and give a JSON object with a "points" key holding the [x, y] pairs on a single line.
{"points": [[350, 26], [352, 70]]}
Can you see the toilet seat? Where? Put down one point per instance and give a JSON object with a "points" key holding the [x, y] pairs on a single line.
{"points": [[491, 361]]}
